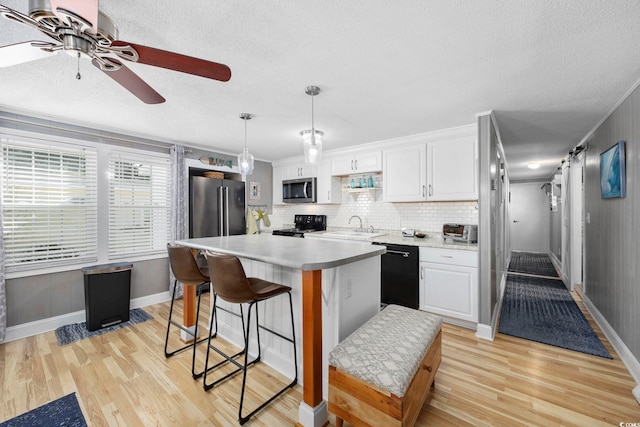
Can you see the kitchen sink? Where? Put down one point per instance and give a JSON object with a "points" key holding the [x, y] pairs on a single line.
{"points": [[358, 234]]}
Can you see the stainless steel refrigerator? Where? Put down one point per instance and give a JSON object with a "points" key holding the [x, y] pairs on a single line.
{"points": [[216, 207]]}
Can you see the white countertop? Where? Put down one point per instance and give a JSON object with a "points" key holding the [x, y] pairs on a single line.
{"points": [[302, 254], [397, 239]]}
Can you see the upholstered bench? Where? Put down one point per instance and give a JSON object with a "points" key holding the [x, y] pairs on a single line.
{"points": [[381, 374]]}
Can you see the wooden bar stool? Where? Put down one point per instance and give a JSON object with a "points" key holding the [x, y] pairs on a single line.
{"points": [[230, 283], [186, 270]]}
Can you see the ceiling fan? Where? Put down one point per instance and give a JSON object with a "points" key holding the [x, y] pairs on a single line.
{"points": [[81, 30]]}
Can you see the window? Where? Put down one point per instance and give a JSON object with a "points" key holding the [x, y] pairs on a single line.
{"points": [[49, 204], [139, 204]]}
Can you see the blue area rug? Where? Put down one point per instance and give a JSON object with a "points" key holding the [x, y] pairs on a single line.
{"points": [[542, 310], [532, 263], [62, 412], [78, 331]]}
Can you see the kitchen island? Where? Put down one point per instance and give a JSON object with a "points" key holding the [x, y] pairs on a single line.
{"points": [[327, 278]]}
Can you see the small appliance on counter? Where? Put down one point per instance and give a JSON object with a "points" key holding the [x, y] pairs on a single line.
{"points": [[304, 224], [467, 233]]}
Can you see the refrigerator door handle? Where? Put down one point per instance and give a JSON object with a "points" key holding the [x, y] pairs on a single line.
{"points": [[220, 211], [226, 210]]}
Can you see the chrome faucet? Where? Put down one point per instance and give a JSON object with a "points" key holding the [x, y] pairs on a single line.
{"points": [[356, 216]]}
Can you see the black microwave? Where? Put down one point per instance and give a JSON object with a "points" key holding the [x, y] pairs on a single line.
{"points": [[300, 190]]}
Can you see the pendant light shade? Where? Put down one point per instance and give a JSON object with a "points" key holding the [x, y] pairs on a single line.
{"points": [[245, 159], [312, 139]]}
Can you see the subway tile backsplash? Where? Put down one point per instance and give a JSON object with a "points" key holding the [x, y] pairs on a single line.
{"points": [[422, 216]]}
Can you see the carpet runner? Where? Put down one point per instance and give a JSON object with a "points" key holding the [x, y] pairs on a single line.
{"points": [[532, 263], [542, 310]]}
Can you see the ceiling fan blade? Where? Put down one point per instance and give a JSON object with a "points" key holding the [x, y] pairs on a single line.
{"points": [[177, 62], [83, 12], [134, 84], [20, 53]]}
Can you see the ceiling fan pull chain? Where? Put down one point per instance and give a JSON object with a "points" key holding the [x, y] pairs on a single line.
{"points": [[78, 76]]}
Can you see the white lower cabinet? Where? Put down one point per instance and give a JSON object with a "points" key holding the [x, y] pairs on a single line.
{"points": [[449, 283]]}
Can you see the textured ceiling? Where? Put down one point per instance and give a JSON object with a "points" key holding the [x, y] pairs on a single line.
{"points": [[550, 70]]}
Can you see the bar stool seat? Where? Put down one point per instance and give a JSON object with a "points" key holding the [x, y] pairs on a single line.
{"points": [[186, 271], [231, 284]]}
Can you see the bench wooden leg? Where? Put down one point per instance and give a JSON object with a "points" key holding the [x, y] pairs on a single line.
{"points": [[338, 422]]}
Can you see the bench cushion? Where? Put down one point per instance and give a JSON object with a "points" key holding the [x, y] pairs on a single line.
{"points": [[387, 350]]}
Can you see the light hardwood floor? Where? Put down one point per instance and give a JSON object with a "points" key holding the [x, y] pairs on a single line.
{"points": [[123, 379]]}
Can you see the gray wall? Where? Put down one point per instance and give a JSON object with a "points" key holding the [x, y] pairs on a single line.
{"points": [[611, 237], [39, 297]]}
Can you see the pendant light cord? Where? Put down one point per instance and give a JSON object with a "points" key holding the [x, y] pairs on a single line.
{"points": [[313, 128]]}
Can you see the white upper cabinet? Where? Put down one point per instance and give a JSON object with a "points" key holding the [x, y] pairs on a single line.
{"points": [[404, 174], [299, 171], [452, 169], [329, 190], [360, 162]]}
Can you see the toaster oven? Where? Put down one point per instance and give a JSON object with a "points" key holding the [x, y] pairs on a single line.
{"points": [[467, 233]]}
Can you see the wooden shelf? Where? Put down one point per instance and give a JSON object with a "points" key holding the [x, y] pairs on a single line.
{"points": [[360, 189]]}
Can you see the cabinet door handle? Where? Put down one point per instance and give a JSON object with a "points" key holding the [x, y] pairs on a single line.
{"points": [[351, 164], [430, 190], [421, 273], [329, 195], [356, 162], [423, 190], [446, 256]]}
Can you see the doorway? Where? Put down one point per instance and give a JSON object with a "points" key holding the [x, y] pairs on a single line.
{"points": [[576, 222], [529, 226]]}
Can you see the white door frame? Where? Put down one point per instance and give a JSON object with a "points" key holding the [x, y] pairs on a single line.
{"points": [[577, 221]]}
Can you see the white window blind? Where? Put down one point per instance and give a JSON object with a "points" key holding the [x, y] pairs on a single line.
{"points": [[49, 204], [139, 204]]}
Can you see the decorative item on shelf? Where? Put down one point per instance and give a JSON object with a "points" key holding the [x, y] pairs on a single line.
{"points": [[353, 184], [312, 139], [245, 159], [216, 175], [371, 183]]}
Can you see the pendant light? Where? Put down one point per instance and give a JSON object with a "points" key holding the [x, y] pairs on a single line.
{"points": [[312, 139], [245, 159]]}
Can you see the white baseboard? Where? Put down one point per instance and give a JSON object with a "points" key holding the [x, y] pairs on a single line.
{"points": [[629, 360], [51, 323], [485, 332]]}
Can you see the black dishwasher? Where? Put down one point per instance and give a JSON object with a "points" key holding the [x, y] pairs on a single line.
{"points": [[399, 278]]}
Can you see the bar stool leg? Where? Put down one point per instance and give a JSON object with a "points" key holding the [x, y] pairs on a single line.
{"points": [[195, 374], [170, 322], [227, 358], [292, 340]]}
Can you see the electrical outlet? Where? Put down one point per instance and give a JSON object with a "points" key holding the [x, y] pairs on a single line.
{"points": [[348, 289]]}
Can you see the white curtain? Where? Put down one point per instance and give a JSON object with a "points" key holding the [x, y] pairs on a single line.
{"points": [[178, 204], [3, 295]]}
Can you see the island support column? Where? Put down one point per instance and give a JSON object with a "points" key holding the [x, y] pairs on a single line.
{"points": [[313, 410]]}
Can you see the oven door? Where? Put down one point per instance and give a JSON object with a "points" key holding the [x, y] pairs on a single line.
{"points": [[301, 190]]}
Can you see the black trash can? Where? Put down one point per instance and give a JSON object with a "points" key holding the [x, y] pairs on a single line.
{"points": [[107, 290]]}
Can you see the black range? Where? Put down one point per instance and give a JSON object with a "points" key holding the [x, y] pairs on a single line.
{"points": [[304, 224]]}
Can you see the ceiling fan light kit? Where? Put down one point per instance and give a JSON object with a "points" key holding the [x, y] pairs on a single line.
{"points": [[312, 139], [81, 30], [245, 159]]}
